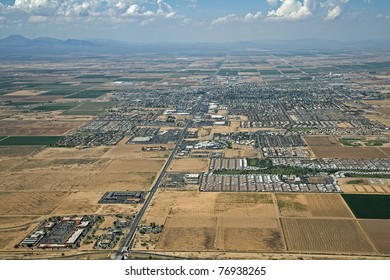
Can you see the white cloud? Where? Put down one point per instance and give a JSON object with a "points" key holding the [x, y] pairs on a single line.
{"points": [[226, 19], [334, 13], [273, 2], [231, 18], [252, 17], [37, 19], [292, 10], [92, 10], [302, 9]]}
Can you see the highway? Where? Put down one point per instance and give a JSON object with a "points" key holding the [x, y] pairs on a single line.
{"points": [[127, 241]]}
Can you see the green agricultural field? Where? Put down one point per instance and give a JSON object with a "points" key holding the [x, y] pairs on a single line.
{"points": [[30, 140], [149, 80], [56, 107], [2, 137], [89, 93], [93, 108], [269, 72], [369, 206]]}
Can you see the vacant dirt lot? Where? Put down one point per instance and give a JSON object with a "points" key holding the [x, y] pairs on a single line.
{"points": [[242, 151], [379, 232], [312, 205], [29, 203], [329, 147], [10, 238], [19, 151], [190, 165], [364, 185], [123, 150], [325, 235], [25, 127], [209, 221]]}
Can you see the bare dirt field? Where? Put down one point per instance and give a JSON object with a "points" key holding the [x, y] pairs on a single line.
{"points": [[10, 238], [123, 150], [16, 221], [329, 147], [364, 185], [325, 235], [40, 128], [189, 165], [209, 221], [19, 151], [379, 232], [312, 205], [65, 153], [242, 151], [25, 93], [29, 203]]}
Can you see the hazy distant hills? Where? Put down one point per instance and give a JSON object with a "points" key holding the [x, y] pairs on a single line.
{"points": [[19, 45]]}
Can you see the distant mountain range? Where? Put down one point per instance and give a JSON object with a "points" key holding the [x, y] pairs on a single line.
{"points": [[19, 45]]}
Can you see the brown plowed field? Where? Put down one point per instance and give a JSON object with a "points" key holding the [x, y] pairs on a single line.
{"points": [[312, 205], [379, 232], [325, 235], [39, 128], [329, 147], [195, 220]]}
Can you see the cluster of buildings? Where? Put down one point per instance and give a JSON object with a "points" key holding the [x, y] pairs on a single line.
{"points": [[65, 232]]}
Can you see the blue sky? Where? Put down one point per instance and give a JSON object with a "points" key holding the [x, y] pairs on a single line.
{"points": [[196, 20]]}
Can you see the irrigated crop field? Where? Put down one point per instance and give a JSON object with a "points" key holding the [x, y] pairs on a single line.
{"points": [[325, 235], [369, 206], [312, 205]]}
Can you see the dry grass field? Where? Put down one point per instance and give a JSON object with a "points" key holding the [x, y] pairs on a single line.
{"points": [[379, 232], [329, 147], [312, 205], [364, 185], [195, 221], [20, 151], [10, 238], [35, 127], [325, 235], [123, 150], [242, 151], [190, 165], [29, 203]]}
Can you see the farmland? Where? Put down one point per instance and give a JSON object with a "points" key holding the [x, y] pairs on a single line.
{"points": [[378, 231], [312, 205], [324, 235], [205, 221], [369, 206], [29, 140], [330, 147]]}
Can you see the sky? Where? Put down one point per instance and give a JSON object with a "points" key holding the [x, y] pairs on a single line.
{"points": [[196, 20]]}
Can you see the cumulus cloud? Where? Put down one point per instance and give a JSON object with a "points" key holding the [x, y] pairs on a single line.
{"points": [[231, 18], [62, 10], [302, 9], [334, 13], [226, 19], [253, 17]]}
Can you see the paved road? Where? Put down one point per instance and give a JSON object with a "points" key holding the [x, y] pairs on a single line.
{"points": [[127, 241]]}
